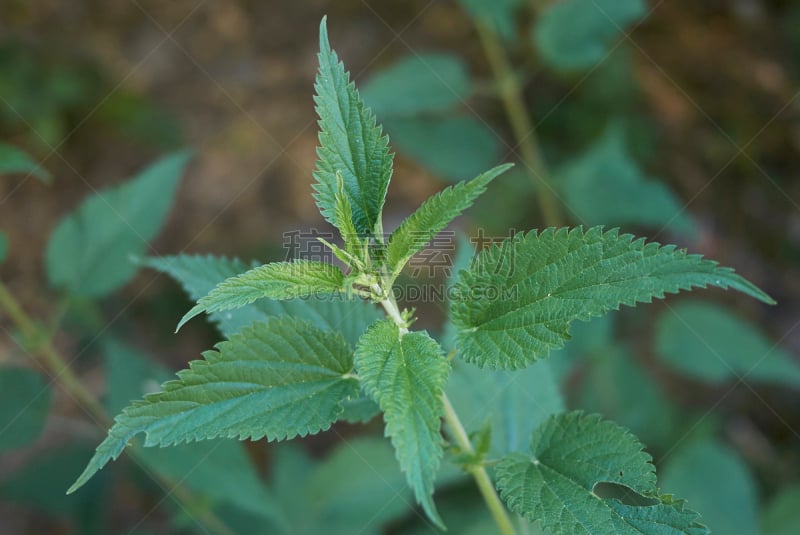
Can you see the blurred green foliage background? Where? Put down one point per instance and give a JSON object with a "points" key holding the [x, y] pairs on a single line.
{"points": [[684, 126]]}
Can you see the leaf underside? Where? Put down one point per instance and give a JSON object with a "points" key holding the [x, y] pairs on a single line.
{"points": [[350, 143], [516, 301], [569, 455], [406, 377], [278, 380]]}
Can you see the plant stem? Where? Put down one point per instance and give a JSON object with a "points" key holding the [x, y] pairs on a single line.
{"points": [[478, 472], [519, 118], [49, 358], [52, 361]]}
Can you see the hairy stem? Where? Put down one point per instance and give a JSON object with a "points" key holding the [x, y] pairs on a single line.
{"points": [[517, 112], [478, 472], [50, 359]]}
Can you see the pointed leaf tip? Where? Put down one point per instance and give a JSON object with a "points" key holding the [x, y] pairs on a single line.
{"points": [[195, 311]]}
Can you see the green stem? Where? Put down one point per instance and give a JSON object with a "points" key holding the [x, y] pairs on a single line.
{"points": [[478, 472], [54, 363], [517, 112]]}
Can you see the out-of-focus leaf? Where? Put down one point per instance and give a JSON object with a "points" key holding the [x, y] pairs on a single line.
{"points": [[416, 84], [576, 34], [41, 483], [498, 14], [715, 480], [359, 487], [616, 386], [219, 470], [455, 148], [24, 403], [513, 403], [707, 342], [606, 186], [13, 160], [781, 516], [90, 252]]}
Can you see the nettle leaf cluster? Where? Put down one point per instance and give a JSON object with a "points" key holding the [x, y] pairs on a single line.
{"points": [[306, 345]]}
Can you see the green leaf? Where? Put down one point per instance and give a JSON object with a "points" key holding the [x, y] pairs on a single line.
{"points": [[555, 482], [406, 375], [707, 342], [498, 14], [592, 24], [454, 148], [512, 403], [40, 483], [277, 280], [24, 404], [359, 410], [716, 481], [433, 216], [619, 388], [606, 186], [419, 83], [278, 380], [344, 216], [357, 489], [219, 470], [350, 144], [518, 298], [781, 515], [90, 251], [200, 274], [15, 161]]}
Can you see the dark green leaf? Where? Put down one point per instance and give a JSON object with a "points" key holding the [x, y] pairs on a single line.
{"points": [[512, 403], [592, 24], [277, 280], [433, 216], [554, 483], [350, 144], [24, 404], [716, 481], [406, 375], [455, 148], [517, 300], [498, 14], [219, 469], [706, 341], [278, 380], [606, 186], [200, 274]]}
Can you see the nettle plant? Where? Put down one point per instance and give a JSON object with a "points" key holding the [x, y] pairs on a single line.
{"points": [[306, 346]]}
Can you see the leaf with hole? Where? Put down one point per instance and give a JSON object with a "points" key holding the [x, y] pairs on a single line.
{"points": [[554, 482]]}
